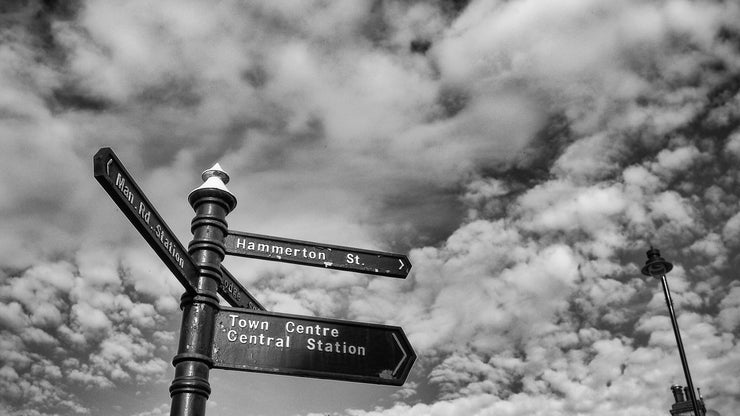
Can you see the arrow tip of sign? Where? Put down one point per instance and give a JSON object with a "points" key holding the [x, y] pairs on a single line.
{"points": [[405, 264]]}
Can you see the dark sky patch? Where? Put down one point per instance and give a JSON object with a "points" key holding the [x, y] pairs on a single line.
{"points": [[72, 99]]}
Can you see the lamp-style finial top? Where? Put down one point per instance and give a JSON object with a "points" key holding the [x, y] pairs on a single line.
{"points": [[656, 265], [214, 178], [216, 171]]}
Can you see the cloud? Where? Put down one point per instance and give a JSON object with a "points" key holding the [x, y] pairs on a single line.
{"points": [[73, 309], [730, 305], [670, 161]]}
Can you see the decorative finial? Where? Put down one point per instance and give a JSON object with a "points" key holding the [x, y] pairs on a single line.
{"points": [[655, 265], [216, 170], [214, 178]]}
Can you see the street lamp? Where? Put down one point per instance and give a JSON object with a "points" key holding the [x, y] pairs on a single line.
{"points": [[657, 266]]}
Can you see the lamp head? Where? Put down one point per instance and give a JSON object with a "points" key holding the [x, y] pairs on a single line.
{"points": [[655, 265]]}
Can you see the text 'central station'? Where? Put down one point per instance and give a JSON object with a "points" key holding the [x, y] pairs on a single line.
{"points": [[313, 337]]}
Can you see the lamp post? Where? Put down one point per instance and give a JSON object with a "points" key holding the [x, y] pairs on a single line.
{"points": [[657, 266]]}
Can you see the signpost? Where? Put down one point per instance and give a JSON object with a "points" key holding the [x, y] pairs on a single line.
{"points": [[316, 254], [124, 191], [312, 347], [248, 338]]}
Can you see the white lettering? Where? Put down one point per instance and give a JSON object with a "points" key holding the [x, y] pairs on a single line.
{"points": [[335, 347], [249, 323], [168, 245], [317, 329], [121, 184], [144, 213], [229, 288], [232, 335], [278, 250], [262, 325]]}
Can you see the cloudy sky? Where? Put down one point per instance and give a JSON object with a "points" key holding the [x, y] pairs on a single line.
{"points": [[524, 154]]}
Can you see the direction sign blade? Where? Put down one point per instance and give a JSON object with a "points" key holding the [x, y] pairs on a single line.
{"points": [[124, 191], [235, 294], [311, 347], [117, 182], [316, 254]]}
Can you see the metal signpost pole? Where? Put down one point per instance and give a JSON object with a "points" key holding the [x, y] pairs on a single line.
{"points": [[657, 266], [190, 388]]}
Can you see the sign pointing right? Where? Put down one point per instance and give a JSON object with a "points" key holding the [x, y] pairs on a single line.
{"points": [[316, 254], [306, 346]]}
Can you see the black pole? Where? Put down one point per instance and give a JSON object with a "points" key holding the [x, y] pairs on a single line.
{"points": [[190, 388], [681, 352], [657, 266]]}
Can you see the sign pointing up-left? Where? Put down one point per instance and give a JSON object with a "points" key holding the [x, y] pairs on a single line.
{"points": [[124, 191], [114, 178]]}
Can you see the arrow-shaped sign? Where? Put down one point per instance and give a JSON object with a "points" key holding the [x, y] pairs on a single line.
{"points": [[312, 347], [316, 254], [235, 294], [124, 191]]}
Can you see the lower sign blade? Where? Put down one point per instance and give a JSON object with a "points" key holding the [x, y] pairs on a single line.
{"points": [[311, 347], [235, 294]]}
